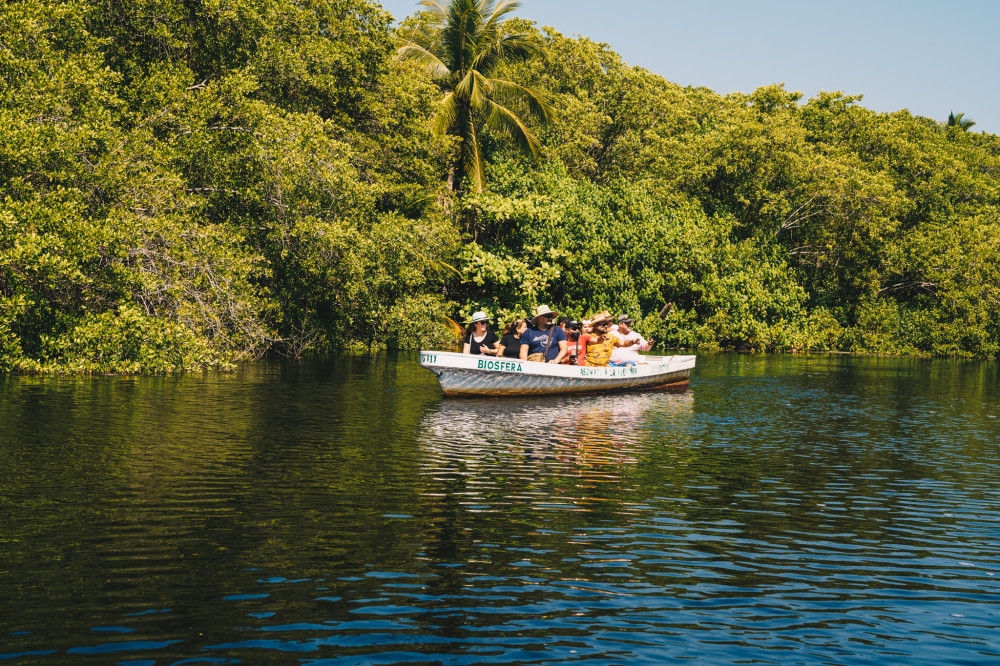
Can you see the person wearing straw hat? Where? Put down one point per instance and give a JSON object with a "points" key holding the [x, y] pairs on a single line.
{"points": [[544, 342], [595, 347], [479, 339]]}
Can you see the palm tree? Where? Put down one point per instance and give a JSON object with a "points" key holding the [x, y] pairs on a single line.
{"points": [[463, 49], [960, 121]]}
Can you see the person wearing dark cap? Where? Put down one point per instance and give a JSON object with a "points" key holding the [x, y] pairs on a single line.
{"points": [[628, 355], [573, 331]]}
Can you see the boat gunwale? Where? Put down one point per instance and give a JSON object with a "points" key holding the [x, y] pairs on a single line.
{"points": [[429, 360]]}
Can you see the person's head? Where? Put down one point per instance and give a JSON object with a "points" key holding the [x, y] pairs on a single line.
{"points": [[624, 323], [544, 317], [480, 323], [516, 327], [601, 323], [563, 323]]}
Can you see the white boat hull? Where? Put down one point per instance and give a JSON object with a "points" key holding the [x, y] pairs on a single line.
{"points": [[476, 375]]}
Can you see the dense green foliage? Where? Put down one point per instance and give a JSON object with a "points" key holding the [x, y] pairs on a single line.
{"points": [[189, 183], [192, 183]]}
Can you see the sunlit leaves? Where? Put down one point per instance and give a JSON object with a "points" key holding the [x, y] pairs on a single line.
{"points": [[209, 182]]}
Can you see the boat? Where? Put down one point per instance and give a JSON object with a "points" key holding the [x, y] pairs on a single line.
{"points": [[479, 375]]}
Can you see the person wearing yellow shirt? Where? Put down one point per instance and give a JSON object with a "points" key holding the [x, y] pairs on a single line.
{"points": [[595, 348]]}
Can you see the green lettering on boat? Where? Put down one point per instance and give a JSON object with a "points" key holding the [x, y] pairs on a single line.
{"points": [[503, 366], [484, 364]]}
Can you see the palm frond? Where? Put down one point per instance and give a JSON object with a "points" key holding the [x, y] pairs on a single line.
{"points": [[436, 7], [521, 47], [501, 9], [505, 50], [960, 121], [465, 87], [471, 155], [446, 116], [423, 57], [459, 36], [505, 122], [482, 89], [537, 103], [490, 29]]}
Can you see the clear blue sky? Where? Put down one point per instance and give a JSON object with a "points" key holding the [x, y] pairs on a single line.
{"points": [[929, 57]]}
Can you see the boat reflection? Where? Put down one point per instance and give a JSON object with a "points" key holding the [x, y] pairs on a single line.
{"points": [[576, 435]]}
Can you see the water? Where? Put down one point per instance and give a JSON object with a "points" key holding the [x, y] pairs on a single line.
{"points": [[783, 510]]}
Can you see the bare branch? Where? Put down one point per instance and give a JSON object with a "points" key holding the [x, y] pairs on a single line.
{"points": [[926, 286]]}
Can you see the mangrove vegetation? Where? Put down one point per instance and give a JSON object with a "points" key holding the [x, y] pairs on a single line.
{"points": [[192, 183]]}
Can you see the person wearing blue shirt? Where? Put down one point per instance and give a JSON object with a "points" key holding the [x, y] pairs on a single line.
{"points": [[544, 342]]}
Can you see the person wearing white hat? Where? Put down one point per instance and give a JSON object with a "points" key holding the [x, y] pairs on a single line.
{"points": [[544, 342], [479, 339]]}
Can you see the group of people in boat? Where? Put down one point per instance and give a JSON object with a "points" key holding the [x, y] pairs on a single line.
{"points": [[548, 338]]}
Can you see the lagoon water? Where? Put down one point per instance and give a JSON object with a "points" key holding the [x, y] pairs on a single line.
{"points": [[781, 510]]}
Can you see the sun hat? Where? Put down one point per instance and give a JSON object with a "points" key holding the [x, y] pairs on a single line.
{"points": [[625, 318], [599, 317], [479, 316], [542, 310]]}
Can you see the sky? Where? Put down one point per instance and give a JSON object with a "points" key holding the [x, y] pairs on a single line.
{"points": [[931, 58]]}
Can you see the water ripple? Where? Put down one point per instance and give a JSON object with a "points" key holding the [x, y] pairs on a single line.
{"points": [[782, 510]]}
